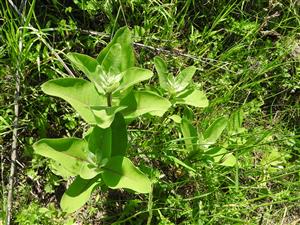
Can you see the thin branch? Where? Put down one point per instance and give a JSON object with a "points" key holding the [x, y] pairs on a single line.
{"points": [[57, 56], [14, 146], [13, 150], [2, 174], [175, 52]]}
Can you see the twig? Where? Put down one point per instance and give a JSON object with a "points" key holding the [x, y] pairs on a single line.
{"points": [[14, 146], [22, 5], [56, 55], [13, 150], [159, 49], [2, 175]]}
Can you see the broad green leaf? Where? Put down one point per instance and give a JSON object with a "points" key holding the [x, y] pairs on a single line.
{"points": [[112, 62], [81, 94], [142, 102], [162, 71], [120, 172], [214, 131], [184, 78], [122, 37], [78, 193], [192, 97], [104, 115], [71, 153], [119, 136], [59, 170], [189, 134], [89, 66], [111, 141], [133, 76], [100, 142]]}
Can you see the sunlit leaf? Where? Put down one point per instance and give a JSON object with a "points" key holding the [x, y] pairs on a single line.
{"points": [[184, 78], [214, 131], [122, 37], [133, 76], [81, 94], [222, 156], [120, 172], [162, 71], [72, 153], [104, 115], [176, 118], [142, 102], [59, 170], [192, 97], [78, 193], [89, 66], [112, 62], [228, 160]]}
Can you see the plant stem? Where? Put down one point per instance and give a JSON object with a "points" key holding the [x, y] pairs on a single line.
{"points": [[109, 99], [150, 206]]}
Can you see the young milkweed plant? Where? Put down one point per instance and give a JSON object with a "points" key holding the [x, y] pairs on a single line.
{"points": [[180, 91], [178, 88], [105, 102]]}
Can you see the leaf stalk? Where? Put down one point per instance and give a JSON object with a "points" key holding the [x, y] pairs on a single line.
{"points": [[109, 99]]}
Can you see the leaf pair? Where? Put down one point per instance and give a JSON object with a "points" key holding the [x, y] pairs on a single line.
{"points": [[110, 76], [119, 172], [84, 98], [168, 82], [178, 87], [91, 106], [99, 156]]}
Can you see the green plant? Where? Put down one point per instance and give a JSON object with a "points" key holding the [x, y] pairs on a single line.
{"points": [[245, 57], [178, 88], [201, 145], [104, 103]]}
